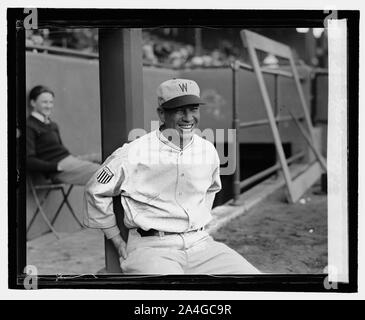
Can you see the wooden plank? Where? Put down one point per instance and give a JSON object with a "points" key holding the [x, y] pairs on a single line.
{"points": [[265, 44], [305, 180], [310, 143], [121, 86], [302, 99], [276, 72], [270, 115], [265, 122]]}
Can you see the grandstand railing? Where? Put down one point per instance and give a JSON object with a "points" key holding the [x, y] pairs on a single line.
{"points": [[61, 51], [91, 55]]}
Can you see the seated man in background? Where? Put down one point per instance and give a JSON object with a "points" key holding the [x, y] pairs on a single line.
{"points": [[44, 148], [167, 180]]}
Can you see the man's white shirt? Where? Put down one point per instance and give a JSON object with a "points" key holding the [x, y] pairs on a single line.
{"points": [[162, 187]]}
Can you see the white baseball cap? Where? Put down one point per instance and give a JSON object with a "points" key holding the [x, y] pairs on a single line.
{"points": [[175, 93]]}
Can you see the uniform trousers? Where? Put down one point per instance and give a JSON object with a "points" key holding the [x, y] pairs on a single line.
{"points": [[78, 170], [183, 253]]}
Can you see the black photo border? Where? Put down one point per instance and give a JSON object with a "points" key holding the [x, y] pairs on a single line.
{"points": [[143, 18]]}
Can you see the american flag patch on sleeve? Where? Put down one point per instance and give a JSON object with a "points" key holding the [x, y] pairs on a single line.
{"points": [[104, 175]]}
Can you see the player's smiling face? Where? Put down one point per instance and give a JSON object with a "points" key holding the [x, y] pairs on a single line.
{"points": [[183, 119]]}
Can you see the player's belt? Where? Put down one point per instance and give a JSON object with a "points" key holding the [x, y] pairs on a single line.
{"points": [[153, 232]]}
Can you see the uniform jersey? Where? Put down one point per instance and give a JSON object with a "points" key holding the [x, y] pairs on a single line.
{"points": [[162, 187]]}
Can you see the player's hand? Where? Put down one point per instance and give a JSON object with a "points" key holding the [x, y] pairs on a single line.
{"points": [[122, 250], [120, 245]]}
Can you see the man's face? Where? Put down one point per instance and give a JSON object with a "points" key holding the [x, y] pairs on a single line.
{"points": [[183, 119], [43, 104]]}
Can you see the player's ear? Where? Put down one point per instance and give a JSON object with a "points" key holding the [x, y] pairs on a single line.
{"points": [[161, 114], [32, 103]]}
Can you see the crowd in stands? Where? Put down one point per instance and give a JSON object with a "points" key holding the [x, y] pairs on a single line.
{"points": [[37, 37], [85, 40], [156, 50]]}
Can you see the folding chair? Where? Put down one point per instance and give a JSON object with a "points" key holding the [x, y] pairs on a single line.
{"points": [[49, 186]]}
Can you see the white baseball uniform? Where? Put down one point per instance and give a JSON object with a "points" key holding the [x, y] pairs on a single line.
{"points": [[168, 189]]}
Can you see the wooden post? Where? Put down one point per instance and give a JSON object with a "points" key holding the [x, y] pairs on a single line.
{"points": [[121, 95], [310, 47], [198, 41]]}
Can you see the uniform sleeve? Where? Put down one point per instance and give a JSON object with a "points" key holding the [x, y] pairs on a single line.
{"points": [[106, 183], [216, 184]]}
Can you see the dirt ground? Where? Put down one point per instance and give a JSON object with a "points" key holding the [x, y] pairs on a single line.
{"points": [[278, 237], [80, 252], [274, 236]]}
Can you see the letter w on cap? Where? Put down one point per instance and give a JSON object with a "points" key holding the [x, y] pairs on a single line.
{"points": [[183, 87]]}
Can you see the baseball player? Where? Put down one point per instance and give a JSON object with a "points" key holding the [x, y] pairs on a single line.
{"points": [[167, 180]]}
